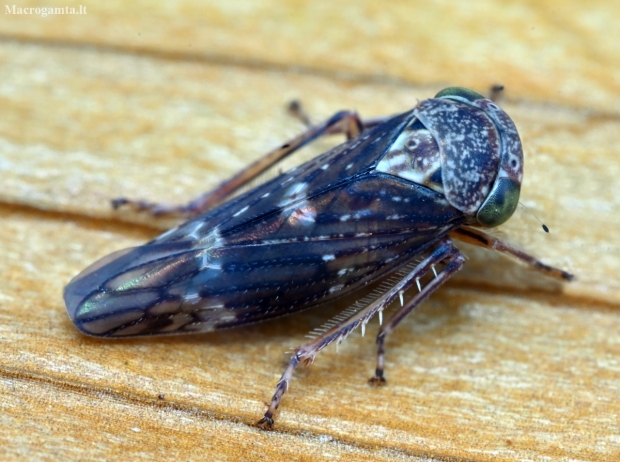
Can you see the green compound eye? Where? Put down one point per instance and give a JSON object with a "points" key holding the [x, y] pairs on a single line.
{"points": [[459, 92], [500, 204]]}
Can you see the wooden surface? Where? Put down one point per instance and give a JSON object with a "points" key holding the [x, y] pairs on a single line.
{"points": [[162, 101]]}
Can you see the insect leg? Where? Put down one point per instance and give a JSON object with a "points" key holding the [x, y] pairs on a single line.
{"points": [[496, 92], [297, 110], [347, 122], [454, 261], [482, 239], [445, 250]]}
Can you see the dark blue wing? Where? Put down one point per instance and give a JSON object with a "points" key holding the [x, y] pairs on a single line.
{"points": [[305, 238]]}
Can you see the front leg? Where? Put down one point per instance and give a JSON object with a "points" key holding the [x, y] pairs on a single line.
{"points": [[481, 239]]}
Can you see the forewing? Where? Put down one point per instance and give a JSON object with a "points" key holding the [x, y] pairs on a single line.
{"points": [[129, 287], [271, 267], [305, 238], [327, 171]]}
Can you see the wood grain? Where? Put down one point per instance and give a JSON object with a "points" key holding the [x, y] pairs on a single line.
{"points": [[162, 102]]}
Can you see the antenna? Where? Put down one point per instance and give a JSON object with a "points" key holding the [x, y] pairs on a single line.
{"points": [[544, 226]]}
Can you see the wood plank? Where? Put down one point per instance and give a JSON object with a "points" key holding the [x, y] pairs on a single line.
{"points": [[501, 364], [539, 49]]}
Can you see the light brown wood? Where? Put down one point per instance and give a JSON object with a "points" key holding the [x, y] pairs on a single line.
{"points": [[501, 364]]}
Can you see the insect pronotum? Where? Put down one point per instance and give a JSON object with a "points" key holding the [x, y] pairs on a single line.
{"points": [[388, 200]]}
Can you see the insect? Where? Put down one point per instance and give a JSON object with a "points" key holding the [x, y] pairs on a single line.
{"points": [[389, 201]]}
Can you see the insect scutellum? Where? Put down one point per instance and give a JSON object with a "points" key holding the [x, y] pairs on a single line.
{"points": [[387, 201]]}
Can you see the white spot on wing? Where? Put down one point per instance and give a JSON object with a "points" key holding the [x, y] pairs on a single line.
{"points": [[166, 235], [208, 263], [329, 257], [212, 241], [227, 318], [302, 214], [192, 297], [293, 193], [194, 231], [241, 211]]}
